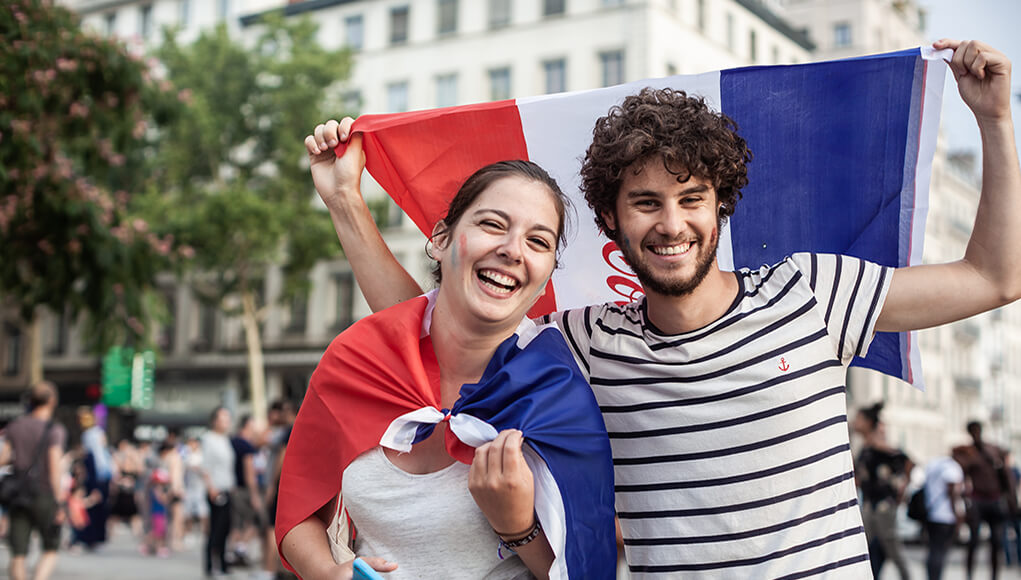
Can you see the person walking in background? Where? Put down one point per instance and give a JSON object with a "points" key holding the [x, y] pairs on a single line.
{"points": [[36, 442], [281, 420], [944, 480], [218, 475], [1012, 544], [99, 475], [123, 505], [170, 459], [989, 482], [882, 473], [247, 509], [159, 497], [196, 508]]}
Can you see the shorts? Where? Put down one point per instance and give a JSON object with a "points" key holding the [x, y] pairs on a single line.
{"points": [[243, 513], [39, 516]]}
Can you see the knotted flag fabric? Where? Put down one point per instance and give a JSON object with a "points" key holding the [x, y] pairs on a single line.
{"points": [[378, 384], [843, 156]]}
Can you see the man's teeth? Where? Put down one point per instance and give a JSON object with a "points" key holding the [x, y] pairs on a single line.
{"points": [[671, 250], [498, 281]]}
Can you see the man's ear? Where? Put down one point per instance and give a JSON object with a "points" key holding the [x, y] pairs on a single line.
{"points": [[610, 219]]}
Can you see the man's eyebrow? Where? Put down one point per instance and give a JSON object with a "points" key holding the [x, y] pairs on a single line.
{"points": [[695, 188]]}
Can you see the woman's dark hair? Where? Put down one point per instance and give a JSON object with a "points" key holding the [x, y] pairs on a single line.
{"points": [[689, 137], [871, 414], [482, 179]]}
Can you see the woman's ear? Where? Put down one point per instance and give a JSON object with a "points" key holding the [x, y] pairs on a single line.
{"points": [[438, 239]]}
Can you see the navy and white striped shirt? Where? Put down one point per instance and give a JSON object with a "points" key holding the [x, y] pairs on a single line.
{"points": [[730, 443]]}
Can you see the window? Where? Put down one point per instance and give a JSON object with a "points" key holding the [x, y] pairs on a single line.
{"points": [[611, 3], [447, 17], [399, 24], [12, 352], [298, 315], [611, 67], [111, 23], [145, 20], [841, 34], [730, 32], [184, 13], [397, 97], [342, 288], [555, 73], [776, 54], [499, 13], [351, 102], [223, 9], [205, 327], [446, 90], [553, 7], [56, 334], [499, 83], [165, 332], [700, 15], [671, 69], [753, 46], [354, 32]]}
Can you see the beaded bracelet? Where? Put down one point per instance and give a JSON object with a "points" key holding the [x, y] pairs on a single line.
{"points": [[511, 545]]}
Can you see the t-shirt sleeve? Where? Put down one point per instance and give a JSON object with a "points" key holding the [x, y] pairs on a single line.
{"points": [[58, 436], [850, 293], [576, 326]]}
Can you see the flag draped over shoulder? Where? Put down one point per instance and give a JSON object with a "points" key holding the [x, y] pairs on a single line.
{"points": [[843, 155], [378, 384]]}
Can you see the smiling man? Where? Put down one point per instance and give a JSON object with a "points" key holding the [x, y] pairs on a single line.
{"points": [[723, 392]]}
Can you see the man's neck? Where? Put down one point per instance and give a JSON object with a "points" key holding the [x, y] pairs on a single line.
{"points": [[704, 305], [42, 413]]}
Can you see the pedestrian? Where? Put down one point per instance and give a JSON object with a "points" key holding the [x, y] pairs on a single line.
{"points": [[1012, 543], [989, 483], [34, 443], [170, 459], [465, 348], [218, 475], [99, 474], [123, 506], [160, 497], [281, 417], [882, 473], [247, 510], [944, 480], [724, 392], [196, 508]]}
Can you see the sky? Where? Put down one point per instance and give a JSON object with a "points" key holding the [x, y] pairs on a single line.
{"points": [[994, 22]]}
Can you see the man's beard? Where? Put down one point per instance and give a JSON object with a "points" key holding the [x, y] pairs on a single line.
{"points": [[671, 286]]}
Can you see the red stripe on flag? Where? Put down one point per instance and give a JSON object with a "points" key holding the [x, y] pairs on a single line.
{"points": [[421, 158]]}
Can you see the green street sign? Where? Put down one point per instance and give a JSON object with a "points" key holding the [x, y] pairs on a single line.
{"points": [[128, 378]]}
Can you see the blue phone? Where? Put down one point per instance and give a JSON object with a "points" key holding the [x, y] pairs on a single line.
{"points": [[365, 572]]}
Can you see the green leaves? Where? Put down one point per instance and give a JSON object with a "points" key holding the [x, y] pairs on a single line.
{"points": [[74, 150]]}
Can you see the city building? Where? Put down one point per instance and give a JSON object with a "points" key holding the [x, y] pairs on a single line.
{"points": [[415, 54]]}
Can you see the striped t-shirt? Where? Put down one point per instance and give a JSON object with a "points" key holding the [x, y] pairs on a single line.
{"points": [[730, 443]]}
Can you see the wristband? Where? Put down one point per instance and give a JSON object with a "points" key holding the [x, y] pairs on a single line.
{"points": [[526, 539]]}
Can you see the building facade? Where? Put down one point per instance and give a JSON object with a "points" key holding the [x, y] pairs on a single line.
{"points": [[416, 54]]}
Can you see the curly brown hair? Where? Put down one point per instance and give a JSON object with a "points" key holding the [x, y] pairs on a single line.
{"points": [[691, 139]]}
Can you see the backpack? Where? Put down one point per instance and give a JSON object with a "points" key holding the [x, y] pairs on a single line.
{"points": [[918, 509]]}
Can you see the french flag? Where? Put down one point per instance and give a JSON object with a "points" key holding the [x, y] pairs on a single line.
{"points": [[843, 156], [378, 385]]}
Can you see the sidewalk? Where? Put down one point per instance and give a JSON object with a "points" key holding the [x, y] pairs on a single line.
{"points": [[120, 560]]}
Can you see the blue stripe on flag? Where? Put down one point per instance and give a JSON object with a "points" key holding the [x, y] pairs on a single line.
{"points": [[830, 172]]}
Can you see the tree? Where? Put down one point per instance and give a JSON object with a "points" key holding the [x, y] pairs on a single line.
{"points": [[236, 186], [77, 118]]}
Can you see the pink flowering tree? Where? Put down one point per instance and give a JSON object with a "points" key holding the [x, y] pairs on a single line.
{"points": [[77, 118], [234, 183]]}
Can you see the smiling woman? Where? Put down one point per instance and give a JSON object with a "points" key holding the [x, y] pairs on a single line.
{"points": [[455, 424]]}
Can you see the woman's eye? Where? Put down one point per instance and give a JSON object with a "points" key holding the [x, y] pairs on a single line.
{"points": [[542, 243], [490, 224]]}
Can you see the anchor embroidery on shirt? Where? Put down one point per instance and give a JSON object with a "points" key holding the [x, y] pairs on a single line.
{"points": [[783, 365]]}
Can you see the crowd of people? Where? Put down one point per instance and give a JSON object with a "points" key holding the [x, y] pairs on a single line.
{"points": [[217, 487]]}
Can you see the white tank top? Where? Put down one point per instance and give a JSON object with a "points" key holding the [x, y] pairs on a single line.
{"points": [[428, 524]]}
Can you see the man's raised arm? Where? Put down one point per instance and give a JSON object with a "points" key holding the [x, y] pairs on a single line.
{"points": [[381, 278], [989, 274]]}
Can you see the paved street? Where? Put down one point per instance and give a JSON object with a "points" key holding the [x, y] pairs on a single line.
{"points": [[121, 560]]}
